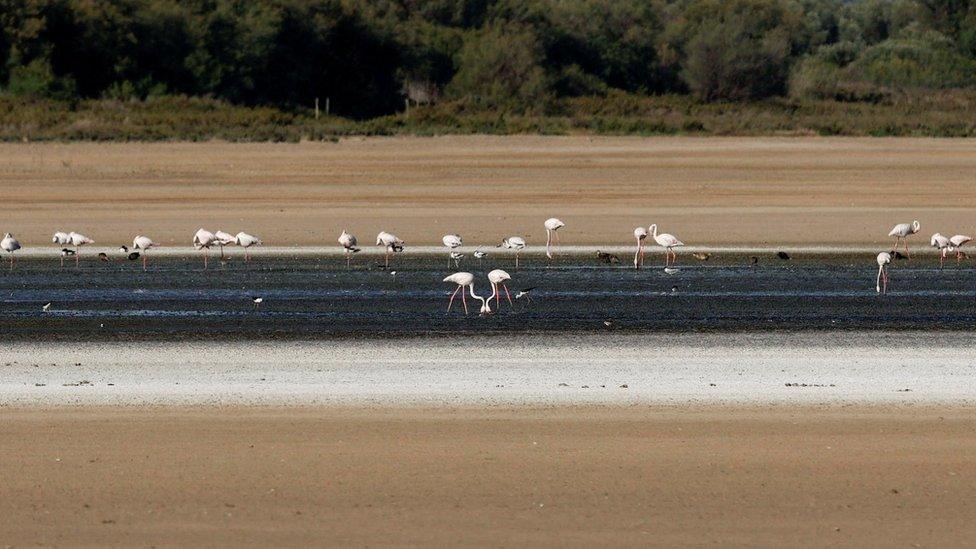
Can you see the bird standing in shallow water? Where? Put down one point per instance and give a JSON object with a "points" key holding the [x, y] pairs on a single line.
{"points": [[957, 242], [669, 242], [143, 243], [245, 241], [942, 244], [452, 242], [10, 245], [348, 243], [884, 258], [552, 236], [902, 231], [516, 243], [203, 240], [640, 233], [61, 239], [77, 240], [465, 280], [498, 278], [392, 243]]}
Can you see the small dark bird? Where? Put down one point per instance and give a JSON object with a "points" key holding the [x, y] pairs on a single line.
{"points": [[754, 260], [133, 256], [102, 256], [898, 255], [609, 259], [701, 256], [783, 255], [67, 252]]}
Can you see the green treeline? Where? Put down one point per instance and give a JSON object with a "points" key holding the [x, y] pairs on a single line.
{"points": [[520, 57]]}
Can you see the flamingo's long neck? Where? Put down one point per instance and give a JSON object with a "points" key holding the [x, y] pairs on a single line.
{"points": [[484, 303], [878, 283]]}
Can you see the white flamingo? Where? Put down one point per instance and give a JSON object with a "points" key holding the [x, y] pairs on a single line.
{"points": [[498, 278], [10, 245], [957, 242], [942, 244], [669, 242], [552, 237], [224, 239], [640, 233], [392, 243], [348, 243], [143, 243], [77, 240], [245, 241], [884, 258], [465, 280], [203, 240], [516, 243], [452, 241], [903, 230], [61, 239]]}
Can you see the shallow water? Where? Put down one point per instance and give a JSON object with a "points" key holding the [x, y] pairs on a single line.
{"points": [[320, 297]]}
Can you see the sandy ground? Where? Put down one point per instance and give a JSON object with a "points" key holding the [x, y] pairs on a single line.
{"points": [[511, 370], [708, 191], [568, 477]]}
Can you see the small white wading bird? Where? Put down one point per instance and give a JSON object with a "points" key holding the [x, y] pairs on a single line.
{"points": [[392, 243], [143, 243], [957, 242], [245, 241], [514, 243], [552, 237], [942, 244], [452, 241], [902, 231], [77, 240], [203, 240], [640, 233], [884, 258], [61, 239], [498, 278], [465, 280], [669, 242], [10, 245], [224, 239], [348, 243]]}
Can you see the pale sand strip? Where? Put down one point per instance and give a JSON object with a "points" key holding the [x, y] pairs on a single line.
{"points": [[744, 369]]}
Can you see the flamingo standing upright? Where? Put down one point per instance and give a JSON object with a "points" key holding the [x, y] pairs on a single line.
{"points": [[245, 241], [884, 258], [957, 242], [61, 239], [465, 280], [224, 239], [640, 233], [143, 243], [498, 278], [10, 245], [903, 230], [392, 243], [348, 243], [516, 243], [203, 240], [78, 240], [552, 237], [669, 242], [940, 243], [452, 241]]}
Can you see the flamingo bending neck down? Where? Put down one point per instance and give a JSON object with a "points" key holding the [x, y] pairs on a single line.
{"points": [[669, 242], [498, 278], [514, 243], [203, 240], [640, 233], [957, 242], [245, 241], [10, 245], [143, 243], [884, 258], [942, 244], [224, 239], [552, 236], [903, 230], [465, 280], [77, 240]]}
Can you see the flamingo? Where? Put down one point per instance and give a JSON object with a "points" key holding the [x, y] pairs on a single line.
{"points": [[514, 243], [940, 243], [552, 225], [61, 239], [498, 278], [10, 245], [957, 242], [903, 230], [392, 243], [669, 242], [245, 241], [452, 241], [640, 233], [204, 239], [77, 240], [463, 279], [348, 243], [224, 239], [884, 258], [143, 243]]}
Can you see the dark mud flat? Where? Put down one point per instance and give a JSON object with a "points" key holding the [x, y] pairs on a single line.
{"points": [[321, 298]]}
